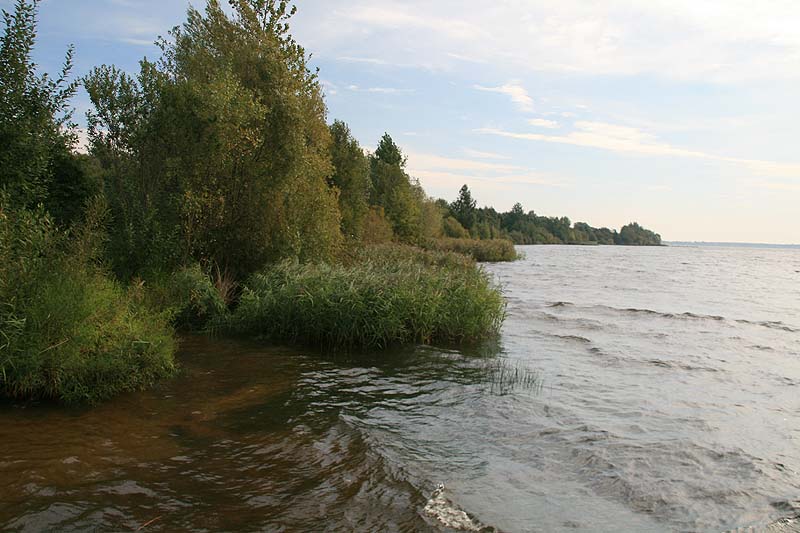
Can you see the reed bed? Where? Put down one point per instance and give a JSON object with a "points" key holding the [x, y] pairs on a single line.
{"points": [[486, 250], [383, 296]]}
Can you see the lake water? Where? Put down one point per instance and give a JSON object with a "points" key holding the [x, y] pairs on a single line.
{"points": [[633, 389]]}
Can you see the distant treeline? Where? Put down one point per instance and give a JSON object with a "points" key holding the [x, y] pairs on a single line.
{"points": [[464, 219]]}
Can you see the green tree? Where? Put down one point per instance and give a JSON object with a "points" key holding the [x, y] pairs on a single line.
{"points": [[351, 178], [35, 115], [463, 208], [392, 190], [221, 149]]}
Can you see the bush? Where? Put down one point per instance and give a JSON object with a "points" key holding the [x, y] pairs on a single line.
{"points": [[67, 332], [188, 296], [487, 250], [388, 295]]}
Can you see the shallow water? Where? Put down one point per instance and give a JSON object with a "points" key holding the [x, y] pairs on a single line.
{"points": [[639, 389]]}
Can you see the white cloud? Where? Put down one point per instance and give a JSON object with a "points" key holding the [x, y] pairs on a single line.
{"points": [[515, 91], [713, 40], [367, 60], [423, 161], [543, 123], [627, 139], [484, 155]]}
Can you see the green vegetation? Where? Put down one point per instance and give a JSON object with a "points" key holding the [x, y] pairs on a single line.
{"points": [[67, 331], [389, 295], [216, 196], [463, 219], [486, 250]]}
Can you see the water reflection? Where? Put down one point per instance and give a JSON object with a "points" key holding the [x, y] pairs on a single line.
{"points": [[246, 438]]}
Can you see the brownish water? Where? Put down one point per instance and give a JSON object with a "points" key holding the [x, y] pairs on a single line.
{"points": [[631, 390]]}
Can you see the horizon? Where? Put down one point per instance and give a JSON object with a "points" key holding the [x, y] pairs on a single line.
{"points": [[674, 115]]}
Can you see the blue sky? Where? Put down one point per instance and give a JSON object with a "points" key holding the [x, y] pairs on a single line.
{"points": [[679, 114]]}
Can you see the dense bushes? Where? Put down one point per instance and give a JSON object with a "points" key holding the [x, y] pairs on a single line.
{"points": [[387, 295], [68, 332], [487, 250], [188, 296]]}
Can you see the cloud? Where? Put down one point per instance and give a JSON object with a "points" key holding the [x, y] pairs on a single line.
{"points": [[515, 91], [367, 60], [484, 155], [419, 160], [723, 41], [379, 90], [437, 170], [137, 42], [617, 138], [543, 123]]}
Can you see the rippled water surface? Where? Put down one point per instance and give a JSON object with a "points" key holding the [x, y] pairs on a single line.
{"points": [[633, 389]]}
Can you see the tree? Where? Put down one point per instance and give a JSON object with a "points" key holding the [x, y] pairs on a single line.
{"points": [[35, 115], [350, 177], [463, 208], [392, 190], [220, 151]]}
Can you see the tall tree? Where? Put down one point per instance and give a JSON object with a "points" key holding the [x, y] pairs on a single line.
{"points": [[35, 114], [221, 148], [464, 208], [393, 191], [350, 177]]}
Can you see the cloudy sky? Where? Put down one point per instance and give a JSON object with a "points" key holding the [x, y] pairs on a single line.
{"points": [[679, 114]]}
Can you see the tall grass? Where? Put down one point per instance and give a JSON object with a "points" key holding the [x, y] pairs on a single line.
{"points": [[384, 295], [485, 250], [67, 331]]}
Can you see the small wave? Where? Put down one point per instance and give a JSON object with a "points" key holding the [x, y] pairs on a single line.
{"points": [[449, 514], [771, 324], [762, 348], [576, 338], [681, 366]]}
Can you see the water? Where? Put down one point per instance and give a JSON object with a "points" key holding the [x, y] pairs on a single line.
{"points": [[634, 389]]}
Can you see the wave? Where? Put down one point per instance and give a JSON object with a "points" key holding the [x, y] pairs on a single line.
{"points": [[687, 315]]}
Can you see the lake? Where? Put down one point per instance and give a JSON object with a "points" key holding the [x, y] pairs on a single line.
{"points": [[632, 389]]}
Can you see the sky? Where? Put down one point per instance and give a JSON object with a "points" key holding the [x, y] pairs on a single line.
{"points": [[681, 115]]}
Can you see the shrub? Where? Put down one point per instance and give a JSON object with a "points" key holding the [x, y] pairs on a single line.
{"points": [[188, 296], [487, 250], [68, 332], [388, 295]]}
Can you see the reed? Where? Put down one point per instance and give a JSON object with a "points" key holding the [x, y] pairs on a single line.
{"points": [[382, 296], [486, 250]]}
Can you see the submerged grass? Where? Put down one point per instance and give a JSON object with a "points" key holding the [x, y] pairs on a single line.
{"points": [[486, 250], [382, 296]]}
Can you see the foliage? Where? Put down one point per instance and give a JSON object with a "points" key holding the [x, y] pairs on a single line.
{"points": [[634, 234], [463, 209], [389, 295], [351, 178], [35, 130], [218, 153], [486, 250], [453, 228], [529, 228], [67, 332], [393, 191], [377, 229], [188, 296]]}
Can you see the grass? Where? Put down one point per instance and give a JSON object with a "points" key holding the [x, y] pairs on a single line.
{"points": [[486, 250], [67, 331], [382, 296]]}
